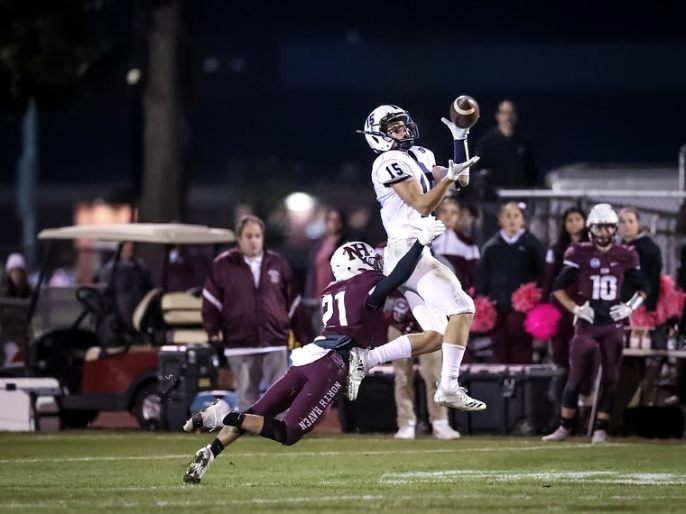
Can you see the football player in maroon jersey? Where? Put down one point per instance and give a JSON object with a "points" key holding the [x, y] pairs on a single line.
{"points": [[599, 268], [353, 317]]}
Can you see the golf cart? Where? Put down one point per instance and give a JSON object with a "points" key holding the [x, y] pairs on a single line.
{"points": [[119, 371]]}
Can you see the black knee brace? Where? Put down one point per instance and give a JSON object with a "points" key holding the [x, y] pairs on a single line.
{"points": [[570, 396]]}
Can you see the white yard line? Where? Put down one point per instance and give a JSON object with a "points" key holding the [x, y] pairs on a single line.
{"points": [[67, 504], [594, 477], [546, 447]]}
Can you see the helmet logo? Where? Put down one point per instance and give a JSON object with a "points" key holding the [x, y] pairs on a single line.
{"points": [[356, 250]]}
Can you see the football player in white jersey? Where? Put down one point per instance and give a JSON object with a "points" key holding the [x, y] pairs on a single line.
{"points": [[409, 186]]}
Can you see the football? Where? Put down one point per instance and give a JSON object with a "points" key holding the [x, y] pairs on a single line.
{"points": [[464, 111]]}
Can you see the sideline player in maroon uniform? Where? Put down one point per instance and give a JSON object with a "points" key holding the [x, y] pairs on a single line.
{"points": [[352, 309], [599, 267]]}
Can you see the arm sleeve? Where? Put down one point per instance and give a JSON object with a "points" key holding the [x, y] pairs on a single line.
{"points": [[460, 150], [400, 274], [566, 278]]}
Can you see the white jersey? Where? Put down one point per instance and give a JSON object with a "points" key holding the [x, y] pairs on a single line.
{"points": [[400, 219]]}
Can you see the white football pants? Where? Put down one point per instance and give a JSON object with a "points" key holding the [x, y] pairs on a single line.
{"points": [[433, 291]]}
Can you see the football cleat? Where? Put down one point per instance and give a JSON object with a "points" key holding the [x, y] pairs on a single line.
{"points": [[198, 466], [211, 418], [599, 437], [357, 370], [561, 434], [459, 399]]}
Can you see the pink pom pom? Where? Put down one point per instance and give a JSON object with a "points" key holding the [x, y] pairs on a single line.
{"points": [[642, 318], [484, 317], [526, 297], [667, 284], [541, 321], [670, 303]]}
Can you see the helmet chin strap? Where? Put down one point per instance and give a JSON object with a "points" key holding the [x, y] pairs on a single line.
{"points": [[404, 144]]}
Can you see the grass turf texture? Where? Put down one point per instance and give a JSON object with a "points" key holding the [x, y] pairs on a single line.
{"points": [[141, 473]]}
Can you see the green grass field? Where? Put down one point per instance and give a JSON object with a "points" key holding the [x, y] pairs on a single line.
{"points": [[136, 472]]}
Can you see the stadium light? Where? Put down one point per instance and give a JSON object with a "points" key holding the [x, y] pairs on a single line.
{"points": [[299, 202]]}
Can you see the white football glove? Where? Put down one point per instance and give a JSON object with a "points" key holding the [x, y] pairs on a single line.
{"points": [[456, 170], [620, 311], [585, 312], [458, 133], [431, 229]]}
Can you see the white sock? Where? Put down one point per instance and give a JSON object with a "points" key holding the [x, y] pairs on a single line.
{"points": [[450, 367], [399, 348]]}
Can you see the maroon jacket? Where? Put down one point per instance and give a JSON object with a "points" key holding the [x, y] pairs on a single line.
{"points": [[462, 254], [248, 316]]}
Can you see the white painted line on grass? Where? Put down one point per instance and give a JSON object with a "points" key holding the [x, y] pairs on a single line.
{"points": [[212, 502], [547, 447], [595, 477]]}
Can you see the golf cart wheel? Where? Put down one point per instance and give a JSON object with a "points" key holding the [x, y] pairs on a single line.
{"points": [[146, 407]]}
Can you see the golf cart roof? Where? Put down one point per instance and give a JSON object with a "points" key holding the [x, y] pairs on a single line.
{"points": [[161, 233]]}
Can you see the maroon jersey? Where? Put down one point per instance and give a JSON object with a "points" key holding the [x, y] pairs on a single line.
{"points": [[600, 275], [345, 311]]}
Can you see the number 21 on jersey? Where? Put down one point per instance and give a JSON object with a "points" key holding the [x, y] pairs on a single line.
{"points": [[604, 287], [332, 304]]}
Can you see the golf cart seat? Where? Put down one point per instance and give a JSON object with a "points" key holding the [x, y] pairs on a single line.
{"points": [[178, 315], [182, 313]]}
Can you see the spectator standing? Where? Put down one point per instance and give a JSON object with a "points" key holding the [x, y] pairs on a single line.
{"points": [[402, 322], [319, 274], [507, 152], [13, 313], [319, 269], [649, 255], [510, 259], [250, 304], [507, 161], [650, 258], [16, 283], [454, 247]]}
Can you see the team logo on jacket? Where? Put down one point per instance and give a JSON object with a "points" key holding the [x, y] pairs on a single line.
{"points": [[595, 262], [274, 276]]}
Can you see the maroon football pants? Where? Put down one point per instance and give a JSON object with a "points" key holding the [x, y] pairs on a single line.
{"points": [[306, 392]]}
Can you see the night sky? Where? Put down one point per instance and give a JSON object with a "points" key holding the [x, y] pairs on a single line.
{"points": [[269, 80]]}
